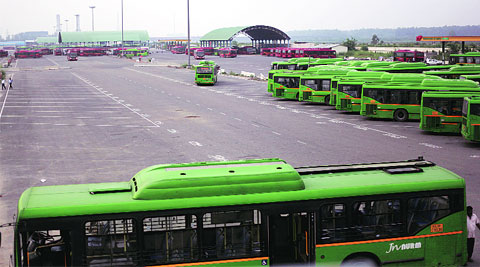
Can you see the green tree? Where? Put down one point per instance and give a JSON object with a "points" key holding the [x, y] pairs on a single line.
{"points": [[454, 47], [364, 48], [350, 43], [375, 39]]}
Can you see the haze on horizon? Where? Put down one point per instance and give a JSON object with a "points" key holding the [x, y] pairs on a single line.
{"points": [[169, 18]]}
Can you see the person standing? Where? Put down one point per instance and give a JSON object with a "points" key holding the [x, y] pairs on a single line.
{"points": [[472, 222], [10, 82], [3, 84]]}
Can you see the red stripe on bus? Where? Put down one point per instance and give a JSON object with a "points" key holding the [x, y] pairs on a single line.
{"points": [[387, 239], [450, 123], [214, 262], [475, 124]]}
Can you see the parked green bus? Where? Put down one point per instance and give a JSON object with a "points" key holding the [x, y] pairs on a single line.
{"points": [[206, 72], [473, 77], [471, 118], [249, 213], [441, 112], [410, 67], [317, 84], [467, 58], [287, 84], [456, 71], [401, 102]]}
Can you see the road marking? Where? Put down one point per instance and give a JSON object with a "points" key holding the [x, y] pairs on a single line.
{"points": [[276, 133], [127, 107], [237, 119], [303, 143], [195, 143], [217, 157], [49, 59], [429, 145], [253, 124], [172, 130], [210, 108], [475, 156], [223, 113]]}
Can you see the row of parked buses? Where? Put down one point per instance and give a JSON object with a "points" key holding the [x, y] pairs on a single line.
{"points": [[444, 98], [289, 52]]}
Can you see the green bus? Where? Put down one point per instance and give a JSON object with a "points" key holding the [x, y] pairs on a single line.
{"points": [[410, 67], [316, 86], [134, 52], [467, 58], [456, 71], [401, 102], [471, 118], [473, 77], [287, 84], [441, 112], [250, 213], [206, 72], [304, 65]]}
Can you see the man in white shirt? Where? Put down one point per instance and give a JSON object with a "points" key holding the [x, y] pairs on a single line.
{"points": [[472, 222]]}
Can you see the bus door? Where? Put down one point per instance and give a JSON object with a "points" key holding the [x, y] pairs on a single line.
{"points": [[292, 238]]}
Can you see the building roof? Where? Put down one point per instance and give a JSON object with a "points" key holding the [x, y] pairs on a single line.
{"points": [[47, 40], [102, 36], [258, 32]]}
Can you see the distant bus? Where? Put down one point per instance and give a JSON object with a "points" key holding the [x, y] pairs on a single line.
{"points": [[467, 58], [91, 51], [441, 112], [471, 118], [27, 54], [178, 50], [269, 52], [209, 51], [199, 54], [401, 102], [3, 53], [316, 85], [206, 72], [58, 51], [134, 52], [247, 50], [256, 212], [72, 56], [317, 53], [408, 56], [227, 52]]}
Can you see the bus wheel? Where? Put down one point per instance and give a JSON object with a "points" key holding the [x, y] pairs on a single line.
{"points": [[400, 115], [359, 262], [327, 100]]}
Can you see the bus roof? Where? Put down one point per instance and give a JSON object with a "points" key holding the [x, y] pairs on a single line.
{"points": [[244, 182]]}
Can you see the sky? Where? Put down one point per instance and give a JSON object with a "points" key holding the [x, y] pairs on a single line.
{"points": [[162, 18]]}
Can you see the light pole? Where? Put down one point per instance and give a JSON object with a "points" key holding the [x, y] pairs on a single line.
{"points": [[93, 28], [66, 25], [123, 54], [188, 31]]}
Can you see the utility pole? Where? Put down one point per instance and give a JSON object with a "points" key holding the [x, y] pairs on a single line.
{"points": [[93, 28], [123, 52], [66, 25], [188, 23]]}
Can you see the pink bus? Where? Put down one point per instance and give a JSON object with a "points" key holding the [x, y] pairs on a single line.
{"points": [[317, 53], [28, 54], [178, 49], [227, 52], [408, 56]]}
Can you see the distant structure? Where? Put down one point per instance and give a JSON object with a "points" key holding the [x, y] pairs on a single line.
{"points": [[103, 38], [59, 26], [77, 18], [261, 36]]}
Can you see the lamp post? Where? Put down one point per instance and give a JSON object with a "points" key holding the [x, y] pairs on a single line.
{"points": [[66, 25], [93, 28], [123, 52], [188, 30]]}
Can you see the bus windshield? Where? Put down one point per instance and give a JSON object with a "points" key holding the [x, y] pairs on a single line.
{"points": [[393, 96], [204, 70], [289, 82]]}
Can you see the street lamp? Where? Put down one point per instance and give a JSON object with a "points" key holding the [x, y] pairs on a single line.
{"points": [[123, 53], [66, 25], [92, 7], [188, 23]]}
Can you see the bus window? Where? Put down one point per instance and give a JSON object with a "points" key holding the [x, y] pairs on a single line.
{"points": [[426, 210], [110, 242], [477, 60], [333, 224], [325, 85], [377, 219], [354, 91], [231, 234], [461, 59], [470, 60], [475, 109], [170, 239], [47, 248], [312, 84]]}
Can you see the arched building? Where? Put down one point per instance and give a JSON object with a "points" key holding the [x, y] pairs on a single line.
{"points": [[261, 36]]}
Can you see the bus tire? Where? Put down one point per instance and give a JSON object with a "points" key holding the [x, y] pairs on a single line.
{"points": [[327, 100], [400, 115], [360, 262]]}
